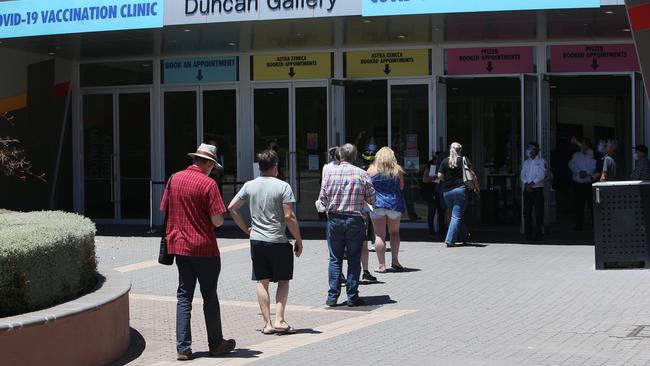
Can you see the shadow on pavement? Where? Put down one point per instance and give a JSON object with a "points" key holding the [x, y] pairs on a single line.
{"points": [[237, 353], [136, 347], [403, 270]]}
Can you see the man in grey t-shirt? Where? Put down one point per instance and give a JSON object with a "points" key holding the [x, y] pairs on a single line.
{"points": [[271, 204], [609, 164]]}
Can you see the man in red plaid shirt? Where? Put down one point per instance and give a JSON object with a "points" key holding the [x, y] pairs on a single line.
{"points": [[194, 207], [346, 193]]}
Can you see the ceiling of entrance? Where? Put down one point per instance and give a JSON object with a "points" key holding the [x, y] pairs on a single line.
{"points": [[605, 22]]}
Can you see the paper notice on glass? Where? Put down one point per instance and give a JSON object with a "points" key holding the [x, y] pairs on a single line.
{"points": [[314, 163], [256, 170], [432, 170]]}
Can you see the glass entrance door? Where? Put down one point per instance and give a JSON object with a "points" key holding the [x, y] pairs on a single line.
{"points": [[293, 119], [410, 118], [117, 154]]}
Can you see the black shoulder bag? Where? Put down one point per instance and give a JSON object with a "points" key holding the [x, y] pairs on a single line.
{"points": [[163, 256]]}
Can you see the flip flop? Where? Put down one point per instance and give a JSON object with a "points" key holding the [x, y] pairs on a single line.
{"points": [[268, 332], [286, 330], [378, 271], [398, 268]]}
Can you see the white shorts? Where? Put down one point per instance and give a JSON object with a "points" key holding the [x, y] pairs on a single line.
{"points": [[380, 213]]}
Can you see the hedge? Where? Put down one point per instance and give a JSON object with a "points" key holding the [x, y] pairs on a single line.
{"points": [[46, 258]]}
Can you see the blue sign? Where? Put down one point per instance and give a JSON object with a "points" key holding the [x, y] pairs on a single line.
{"points": [[200, 70], [37, 17], [404, 7]]}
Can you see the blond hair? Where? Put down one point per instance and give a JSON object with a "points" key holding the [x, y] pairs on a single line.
{"points": [[454, 154], [386, 163]]}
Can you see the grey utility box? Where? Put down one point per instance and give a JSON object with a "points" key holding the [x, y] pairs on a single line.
{"points": [[621, 221]]}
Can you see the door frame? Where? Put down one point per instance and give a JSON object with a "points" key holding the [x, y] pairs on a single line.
{"points": [[291, 86], [431, 90], [115, 92]]}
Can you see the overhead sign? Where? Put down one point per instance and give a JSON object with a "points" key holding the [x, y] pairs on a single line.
{"points": [[594, 58], [219, 11], [292, 66], [404, 7], [38, 17], [360, 64], [493, 60], [200, 70]]}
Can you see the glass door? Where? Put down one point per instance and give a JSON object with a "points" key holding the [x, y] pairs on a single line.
{"points": [[311, 142], [117, 153], [292, 118], [410, 117], [99, 156], [219, 128], [180, 113]]}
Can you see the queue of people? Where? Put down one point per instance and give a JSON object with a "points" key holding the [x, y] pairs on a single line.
{"points": [[349, 195]]}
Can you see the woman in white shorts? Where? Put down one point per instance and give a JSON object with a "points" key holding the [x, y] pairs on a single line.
{"points": [[388, 178]]}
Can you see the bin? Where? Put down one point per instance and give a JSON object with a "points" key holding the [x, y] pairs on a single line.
{"points": [[621, 218]]}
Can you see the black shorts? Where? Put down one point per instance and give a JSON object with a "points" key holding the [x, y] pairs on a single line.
{"points": [[272, 261], [370, 229]]}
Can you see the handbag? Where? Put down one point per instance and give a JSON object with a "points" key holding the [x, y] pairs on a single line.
{"points": [[469, 178], [163, 256]]}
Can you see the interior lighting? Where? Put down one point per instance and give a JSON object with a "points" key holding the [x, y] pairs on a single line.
{"points": [[609, 12], [232, 44], [52, 53], [187, 30], [626, 29], [401, 36], [367, 21]]}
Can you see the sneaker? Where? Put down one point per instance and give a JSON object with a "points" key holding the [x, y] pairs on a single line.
{"points": [[356, 302], [184, 356], [226, 346], [368, 277], [331, 303]]}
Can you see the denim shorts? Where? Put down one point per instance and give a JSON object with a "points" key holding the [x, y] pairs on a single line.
{"points": [[380, 213]]}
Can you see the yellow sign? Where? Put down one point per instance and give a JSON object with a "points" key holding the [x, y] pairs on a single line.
{"points": [[363, 64], [292, 66]]}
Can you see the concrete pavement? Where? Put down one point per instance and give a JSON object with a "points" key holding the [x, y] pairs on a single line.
{"points": [[502, 304]]}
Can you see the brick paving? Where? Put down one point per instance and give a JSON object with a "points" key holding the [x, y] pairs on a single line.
{"points": [[503, 304]]}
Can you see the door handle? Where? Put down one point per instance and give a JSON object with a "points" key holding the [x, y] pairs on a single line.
{"points": [[112, 178]]}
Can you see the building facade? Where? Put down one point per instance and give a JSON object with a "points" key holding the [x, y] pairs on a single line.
{"points": [[118, 109]]}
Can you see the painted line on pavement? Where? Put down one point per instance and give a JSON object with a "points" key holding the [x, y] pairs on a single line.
{"points": [[153, 263], [245, 304], [284, 344]]}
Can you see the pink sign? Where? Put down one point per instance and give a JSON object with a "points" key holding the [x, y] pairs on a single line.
{"points": [[494, 60], [594, 58]]}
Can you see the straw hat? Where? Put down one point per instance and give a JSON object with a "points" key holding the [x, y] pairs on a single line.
{"points": [[207, 152]]}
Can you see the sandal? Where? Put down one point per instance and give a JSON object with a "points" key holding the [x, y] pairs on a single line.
{"points": [[380, 271], [285, 330], [266, 331], [397, 267]]}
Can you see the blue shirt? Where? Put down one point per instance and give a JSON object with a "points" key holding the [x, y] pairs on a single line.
{"points": [[388, 193]]}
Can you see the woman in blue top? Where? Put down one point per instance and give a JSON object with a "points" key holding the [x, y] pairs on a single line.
{"points": [[388, 178]]}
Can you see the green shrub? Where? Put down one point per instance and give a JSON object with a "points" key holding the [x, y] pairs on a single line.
{"points": [[45, 258]]}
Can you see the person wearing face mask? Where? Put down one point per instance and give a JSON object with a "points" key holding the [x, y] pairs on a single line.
{"points": [[194, 208], [532, 177], [642, 164], [583, 167]]}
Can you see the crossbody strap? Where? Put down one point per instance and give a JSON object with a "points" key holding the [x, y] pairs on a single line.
{"points": [[169, 193]]}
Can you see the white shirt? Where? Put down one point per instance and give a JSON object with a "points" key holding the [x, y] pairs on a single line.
{"points": [[582, 162], [534, 171]]}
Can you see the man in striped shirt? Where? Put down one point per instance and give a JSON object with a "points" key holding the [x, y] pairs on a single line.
{"points": [[345, 193]]}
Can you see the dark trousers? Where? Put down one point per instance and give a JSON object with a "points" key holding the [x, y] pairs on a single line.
{"points": [[206, 270], [582, 196], [436, 206], [345, 233], [534, 201]]}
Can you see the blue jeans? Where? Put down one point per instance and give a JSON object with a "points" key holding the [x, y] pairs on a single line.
{"points": [[457, 200], [344, 232], [206, 270]]}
